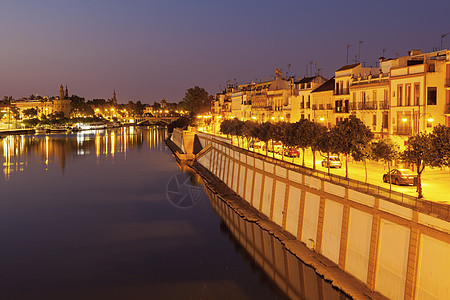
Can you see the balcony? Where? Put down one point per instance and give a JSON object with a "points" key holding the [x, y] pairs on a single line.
{"points": [[384, 104], [341, 92], [314, 106], [341, 109], [403, 130], [302, 105], [447, 83], [329, 107], [321, 107], [368, 105], [308, 104]]}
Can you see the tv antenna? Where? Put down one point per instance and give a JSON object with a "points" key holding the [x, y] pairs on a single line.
{"points": [[348, 46], [443, 36]]}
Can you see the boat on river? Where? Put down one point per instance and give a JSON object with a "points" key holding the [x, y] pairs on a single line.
{"points": [[41, 129]]}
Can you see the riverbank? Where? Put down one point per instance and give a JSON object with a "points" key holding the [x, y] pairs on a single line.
{"points": [[323, 266]]}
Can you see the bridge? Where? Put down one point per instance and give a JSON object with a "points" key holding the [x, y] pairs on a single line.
{"points": [[155, 120]]}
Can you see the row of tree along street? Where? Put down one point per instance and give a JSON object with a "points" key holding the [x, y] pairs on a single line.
{"points": [[350, 138]]}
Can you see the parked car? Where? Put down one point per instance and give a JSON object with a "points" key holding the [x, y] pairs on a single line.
{"points": [[332, 162], [401, 176], [255, 145], [276, 147], [291, 152]]}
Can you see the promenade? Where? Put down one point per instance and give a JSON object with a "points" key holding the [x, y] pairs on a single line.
{"points": [[434, 180]]}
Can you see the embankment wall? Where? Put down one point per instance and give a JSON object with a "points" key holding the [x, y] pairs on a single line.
{"points": [[395, 250]]}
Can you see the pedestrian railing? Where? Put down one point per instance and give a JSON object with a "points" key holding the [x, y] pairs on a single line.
{"points": [[439, 210]]}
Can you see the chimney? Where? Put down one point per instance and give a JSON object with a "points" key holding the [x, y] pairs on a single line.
{"points": [[414, 52]]}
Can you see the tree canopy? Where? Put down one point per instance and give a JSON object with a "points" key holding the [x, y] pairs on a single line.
{"points": [[196, 100]]}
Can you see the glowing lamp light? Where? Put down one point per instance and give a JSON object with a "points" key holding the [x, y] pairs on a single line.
{"points": [[322, 119], [282, 118], [254, 118], [430, 119], [272, 118], [404, 120]]}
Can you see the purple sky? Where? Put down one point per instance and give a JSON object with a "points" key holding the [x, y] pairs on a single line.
{"points": [[150, 49]]}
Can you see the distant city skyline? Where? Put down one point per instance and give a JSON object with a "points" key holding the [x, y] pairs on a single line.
{"points": [[149, 50]]}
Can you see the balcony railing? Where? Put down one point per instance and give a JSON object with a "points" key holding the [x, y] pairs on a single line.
{"points": [[367, 105], [384, 104], [447, 82], [329, 106], [314, 106], [321, 107], [308, 104], [302, 104], [403, 130], [342, 92], [341, 109]]}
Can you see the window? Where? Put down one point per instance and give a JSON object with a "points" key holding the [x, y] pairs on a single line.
{"points": [[385, 123], [408, 95], [416, 93], [431, 96], [374, 96], [374, 120], [399, 95]]}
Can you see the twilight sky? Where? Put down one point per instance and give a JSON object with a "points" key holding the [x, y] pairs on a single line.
{"points": [[150, 49]]}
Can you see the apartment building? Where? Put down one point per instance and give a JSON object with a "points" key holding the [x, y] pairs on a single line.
{"points": [[302, 105], [404, 96]]}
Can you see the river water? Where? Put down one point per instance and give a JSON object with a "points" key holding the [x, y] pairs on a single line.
{"points": [[111, 215]]}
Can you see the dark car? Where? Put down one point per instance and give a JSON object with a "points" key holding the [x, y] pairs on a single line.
{"points": [[291, 152], [401, 176]]}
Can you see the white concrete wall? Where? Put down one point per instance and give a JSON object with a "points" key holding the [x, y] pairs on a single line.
{"points": [[310, 219], [331, 236], [278, 206], [433, 268], [293, 210], [358, 244], [392, 260]]}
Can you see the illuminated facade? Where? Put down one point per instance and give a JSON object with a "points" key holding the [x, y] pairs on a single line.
{"points": [[46, 106], [401, 97]]}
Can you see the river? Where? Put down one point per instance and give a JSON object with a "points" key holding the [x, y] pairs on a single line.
{"points": [[111, 215]]}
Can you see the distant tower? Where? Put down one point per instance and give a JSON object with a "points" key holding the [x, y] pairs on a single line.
{"points": [[67, 93], [114, 98], [163, 103], [61, 92]]}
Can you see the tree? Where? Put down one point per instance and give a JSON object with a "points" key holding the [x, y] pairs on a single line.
{"points": [[387, 151], [353, 137], [263, 133], [326, 142], [420, 153], [440, 139], [196, 100], [317, 130], [181, 122], [30, 113], [249, 131]]}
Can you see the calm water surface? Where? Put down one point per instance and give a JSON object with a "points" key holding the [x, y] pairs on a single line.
{"points": [[110, 215]]}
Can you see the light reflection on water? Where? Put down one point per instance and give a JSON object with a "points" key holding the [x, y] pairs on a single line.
{"points": [[18, 150]]}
